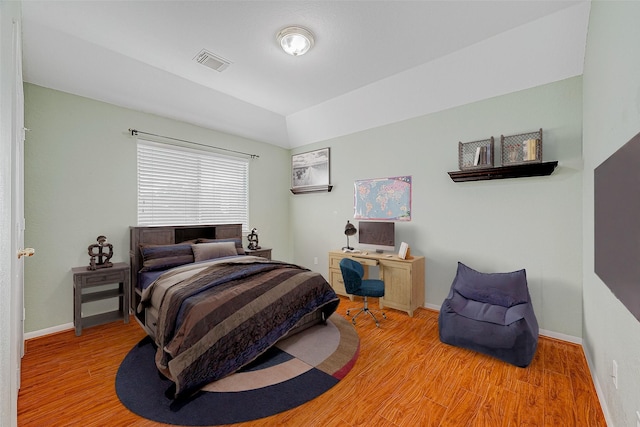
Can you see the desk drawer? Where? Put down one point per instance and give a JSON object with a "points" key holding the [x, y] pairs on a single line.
{"points": [[336, 281], [334, 262], [366, 261]]}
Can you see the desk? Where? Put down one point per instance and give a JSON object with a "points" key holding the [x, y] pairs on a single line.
{"points": [[83, 278], [403, 279]]}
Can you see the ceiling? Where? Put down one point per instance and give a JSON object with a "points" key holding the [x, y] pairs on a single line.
{"points": [[373, 63]]}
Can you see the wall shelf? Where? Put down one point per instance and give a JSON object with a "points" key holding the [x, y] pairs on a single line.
{"points": [[505, 172], [312, 189]]}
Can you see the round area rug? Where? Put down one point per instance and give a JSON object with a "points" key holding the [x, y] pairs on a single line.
{"points": [[289, 374]]}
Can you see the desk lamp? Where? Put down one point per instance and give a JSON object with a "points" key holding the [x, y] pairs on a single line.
{"points": [[349, 230]]}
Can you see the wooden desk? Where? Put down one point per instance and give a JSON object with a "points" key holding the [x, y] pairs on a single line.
{"points": [[403, 279]]}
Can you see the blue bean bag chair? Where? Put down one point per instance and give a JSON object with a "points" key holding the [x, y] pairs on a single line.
{"points": [[491, 314]]}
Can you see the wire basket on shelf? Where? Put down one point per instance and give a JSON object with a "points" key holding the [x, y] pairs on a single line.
{"points": [[521, 148], [476, 154]]}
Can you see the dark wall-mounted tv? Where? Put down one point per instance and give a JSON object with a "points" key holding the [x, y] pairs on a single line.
{"points": [[617, 224], [377, 235]]}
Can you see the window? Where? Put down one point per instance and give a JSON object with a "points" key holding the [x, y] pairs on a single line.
{"points": [[183, 186]]}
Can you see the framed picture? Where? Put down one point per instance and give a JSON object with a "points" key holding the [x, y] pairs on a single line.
{"points": [[383, 199], [404, 251], [310, 171]]}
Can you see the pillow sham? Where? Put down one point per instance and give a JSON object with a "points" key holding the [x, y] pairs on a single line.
{"points": [[204, 251], [161, 257], [504, 289], [188, 242], [237, 242]]}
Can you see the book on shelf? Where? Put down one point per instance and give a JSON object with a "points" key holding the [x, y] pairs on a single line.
{"points": [[482, 156], [530, 149]]}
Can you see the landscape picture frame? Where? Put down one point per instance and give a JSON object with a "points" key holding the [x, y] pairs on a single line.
{"points": [[310, 171]]}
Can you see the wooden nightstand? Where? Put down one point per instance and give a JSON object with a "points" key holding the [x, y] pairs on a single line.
{"points": [[263, 252], [83, 278]]}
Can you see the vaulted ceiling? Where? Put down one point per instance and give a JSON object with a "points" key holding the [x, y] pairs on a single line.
{"points": [[373, 63]]}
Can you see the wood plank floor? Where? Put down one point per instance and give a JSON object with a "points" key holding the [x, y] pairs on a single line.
{"points": [[404, 377]]}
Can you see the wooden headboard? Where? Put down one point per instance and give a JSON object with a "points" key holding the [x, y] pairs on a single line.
{"points": [[169, 235]]}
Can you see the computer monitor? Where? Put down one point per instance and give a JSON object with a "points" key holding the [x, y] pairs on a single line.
{"points": [[376, 235]]}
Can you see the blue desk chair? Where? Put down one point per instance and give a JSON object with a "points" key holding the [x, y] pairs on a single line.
{"points": [[352, 273]]}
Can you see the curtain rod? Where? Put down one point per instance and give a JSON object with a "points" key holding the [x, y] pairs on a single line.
{"points": [[135, 132]]}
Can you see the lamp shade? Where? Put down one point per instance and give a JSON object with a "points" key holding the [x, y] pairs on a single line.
{"points": [[349, 229]]}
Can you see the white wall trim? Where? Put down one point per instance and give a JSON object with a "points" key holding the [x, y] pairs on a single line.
{"points": [[599, 391], [432, 307], [544, 332], [561, 337], [69, 326], [48, 331]]}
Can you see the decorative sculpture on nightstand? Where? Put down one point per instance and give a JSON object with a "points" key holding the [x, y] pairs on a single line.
{"points": [[253, 239], [103, 257]]}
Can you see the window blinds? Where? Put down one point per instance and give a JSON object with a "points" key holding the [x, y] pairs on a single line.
{"points": [[183, 186]]}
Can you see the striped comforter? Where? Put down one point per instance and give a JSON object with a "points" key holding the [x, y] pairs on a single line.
{"points": [[216, 317]]}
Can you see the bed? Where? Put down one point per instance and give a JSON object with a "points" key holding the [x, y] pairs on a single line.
{"points": [[210, 308]]}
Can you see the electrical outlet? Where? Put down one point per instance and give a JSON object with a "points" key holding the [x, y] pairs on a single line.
{"points": [[315, 260], [614, 373]]}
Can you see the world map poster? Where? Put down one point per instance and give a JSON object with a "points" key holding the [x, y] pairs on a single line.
{"points": [[383, 199]]}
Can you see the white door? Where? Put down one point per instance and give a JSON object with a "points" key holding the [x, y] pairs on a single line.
{"points": [[18, 238], [17, 202]]}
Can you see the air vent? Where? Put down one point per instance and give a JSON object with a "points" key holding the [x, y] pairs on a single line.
{"points": [[212, 61]]}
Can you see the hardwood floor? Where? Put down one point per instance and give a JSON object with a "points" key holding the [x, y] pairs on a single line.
{"points": [[404, 376]]}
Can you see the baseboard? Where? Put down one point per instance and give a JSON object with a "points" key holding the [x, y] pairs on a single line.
{"points": [[432, 307], [599, 391], [48, 331], [544, 332], [561, 337]]}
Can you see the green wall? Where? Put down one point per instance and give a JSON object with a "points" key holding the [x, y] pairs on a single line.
{"points": [[80, 182], [81, 173], [611, 117], [502, 225]]}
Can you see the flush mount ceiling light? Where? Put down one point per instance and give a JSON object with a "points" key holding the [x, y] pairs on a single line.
{"points": [[295, 41]]}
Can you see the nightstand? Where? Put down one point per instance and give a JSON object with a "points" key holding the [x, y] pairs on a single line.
{"points": [[83, 279], [263, 252]]}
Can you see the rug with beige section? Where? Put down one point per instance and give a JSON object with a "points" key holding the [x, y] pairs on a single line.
{"points": [[291, 373]]}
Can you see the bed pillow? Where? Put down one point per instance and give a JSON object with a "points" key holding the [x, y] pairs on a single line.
{"points": [[237, 242], [188, 242], [504, 289], [204, 251], [161, 257]]}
